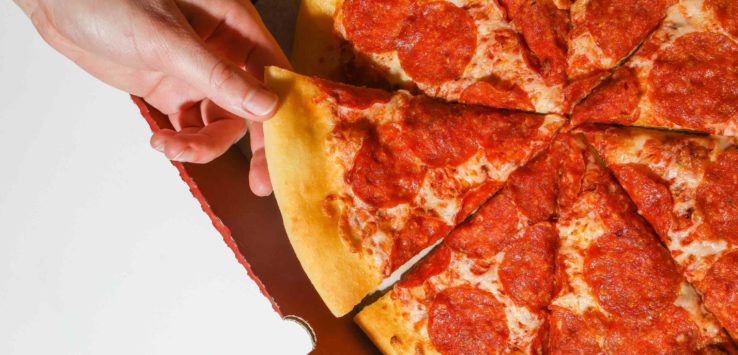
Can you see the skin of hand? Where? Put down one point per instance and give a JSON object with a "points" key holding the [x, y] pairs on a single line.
{"points": [[198, 61]]}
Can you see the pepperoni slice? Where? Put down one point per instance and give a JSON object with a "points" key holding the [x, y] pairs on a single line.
{"points": [[631, 274], [495, 92], [578, 89], [573, 334], [437, 42], [572, 166], [717, 195], [418, 233], [671, 333], [438, 133], [373, 25], [544, 28], [720, 287], [475, 197], [727, 13], [486, 234], [649, 193], [351, 96], [618, 35], [385, 172], [503, 135], [527, 270], [466, 320], [694, 80], [533, 188], [435, 263], [615, 101]]}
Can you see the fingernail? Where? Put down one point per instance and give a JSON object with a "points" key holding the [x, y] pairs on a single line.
{"points": [[261, 102], [176, 157], [159, 147]]}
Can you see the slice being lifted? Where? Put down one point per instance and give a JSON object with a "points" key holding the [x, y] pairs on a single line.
{"points": [[683, 77], [485, 289], [366, 179], [618, 290], [686, 186]]}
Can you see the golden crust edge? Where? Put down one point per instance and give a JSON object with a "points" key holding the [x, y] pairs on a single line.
{"points": [[384, 320], [316, 48], [302, 175]]}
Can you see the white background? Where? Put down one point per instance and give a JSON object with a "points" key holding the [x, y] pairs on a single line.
{"points": [[102, 248]]}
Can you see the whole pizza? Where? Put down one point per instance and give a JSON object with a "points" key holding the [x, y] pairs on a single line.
{"points": [[515, 176]]}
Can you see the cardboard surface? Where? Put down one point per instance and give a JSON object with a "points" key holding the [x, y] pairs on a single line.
{"points": [[252, 226]]}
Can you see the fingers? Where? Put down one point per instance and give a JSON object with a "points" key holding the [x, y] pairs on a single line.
{"points": [[199, 145], [226, 84], [258, 174]]}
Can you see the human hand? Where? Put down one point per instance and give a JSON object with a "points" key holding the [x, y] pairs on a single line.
{"points": [[198, 61]]}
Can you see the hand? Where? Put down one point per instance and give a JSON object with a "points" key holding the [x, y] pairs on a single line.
{"points": [[198, 61]]}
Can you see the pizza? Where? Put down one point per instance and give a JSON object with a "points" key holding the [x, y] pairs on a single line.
{"points": [[485, 289], [380, 176], [686, 186], [483, 145], [618, 289], [557, 261], [683, 77]]}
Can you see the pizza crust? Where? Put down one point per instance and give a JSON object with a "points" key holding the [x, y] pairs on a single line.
{"points": [[385, 324], [316, 47], [302, 175]]}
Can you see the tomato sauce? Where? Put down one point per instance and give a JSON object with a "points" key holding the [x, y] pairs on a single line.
{"points": [[353, 97]]}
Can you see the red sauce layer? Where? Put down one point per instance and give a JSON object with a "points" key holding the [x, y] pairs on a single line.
{"points": [[533, 187], [466, 320], [695, 81]]}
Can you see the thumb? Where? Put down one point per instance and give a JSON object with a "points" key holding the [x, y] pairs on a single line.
{"points": [[224, 83]]}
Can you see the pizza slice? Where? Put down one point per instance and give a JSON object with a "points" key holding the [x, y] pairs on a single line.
{"points": [[485, 289], [686, 186], [683, 77], [618, 289], [365, 179], [466, 51]]}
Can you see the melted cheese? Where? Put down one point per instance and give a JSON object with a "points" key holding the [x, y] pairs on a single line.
{"points": [[578, 229]]}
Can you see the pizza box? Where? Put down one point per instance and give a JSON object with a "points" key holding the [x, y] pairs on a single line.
{"points": [[252, 226]]}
